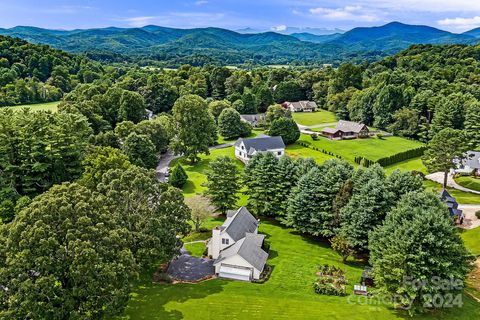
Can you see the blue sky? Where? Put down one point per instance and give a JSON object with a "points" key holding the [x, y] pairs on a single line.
{"points": [[453, 15]]}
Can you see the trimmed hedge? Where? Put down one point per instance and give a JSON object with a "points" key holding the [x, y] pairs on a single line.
{"points": [[396, 158]]}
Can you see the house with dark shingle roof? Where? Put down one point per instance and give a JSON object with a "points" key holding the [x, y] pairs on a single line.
{"points": [[452, 205], [236, 247], [245, 149], [346, 130]]}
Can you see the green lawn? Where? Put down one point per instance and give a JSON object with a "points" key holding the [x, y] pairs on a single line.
{"points": [[196, 249], [408, 165], [49, 106], [314, 118], [460, 196], [255, 133], [469, 182], [287, 294], [371, 148], [472, 240]]}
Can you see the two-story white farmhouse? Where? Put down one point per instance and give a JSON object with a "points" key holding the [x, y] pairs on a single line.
{"points": [[245, 149], [236, 247]]}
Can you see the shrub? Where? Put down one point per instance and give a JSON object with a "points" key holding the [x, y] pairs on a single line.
{"points": [[314, 136], [265, 275], [477, 214], [178, 177]]}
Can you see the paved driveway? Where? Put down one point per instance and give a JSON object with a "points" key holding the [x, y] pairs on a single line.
{"points": [[188, 268]]}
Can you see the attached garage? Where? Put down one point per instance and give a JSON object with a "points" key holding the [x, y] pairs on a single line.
{"points": [[237, 273]]}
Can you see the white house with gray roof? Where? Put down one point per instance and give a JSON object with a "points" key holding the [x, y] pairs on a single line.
{"points": [[236, 247], [301, 106], [469, 165], [245, 149]]}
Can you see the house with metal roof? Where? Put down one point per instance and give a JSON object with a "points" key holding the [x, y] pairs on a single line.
{"points": [[236, 247], [346, 130], [245, 149], [452, 205]]}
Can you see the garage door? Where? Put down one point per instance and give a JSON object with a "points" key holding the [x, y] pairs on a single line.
{"points": [[243, 274]]}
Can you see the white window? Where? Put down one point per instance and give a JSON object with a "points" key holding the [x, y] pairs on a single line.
{"points": [[225, 241]]}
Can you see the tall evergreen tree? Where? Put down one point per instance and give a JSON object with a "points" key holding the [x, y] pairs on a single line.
{"points": [[179, 177], [304, 201], [262, 181], [445, 147], [418, 242], [472, 125], [287, 180], [223, 183]]}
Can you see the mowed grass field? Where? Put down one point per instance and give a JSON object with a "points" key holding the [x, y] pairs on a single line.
{"points": [[471, 238], [49, 106], [372, 148], [469, 182], [288, 294], [314, 118]]}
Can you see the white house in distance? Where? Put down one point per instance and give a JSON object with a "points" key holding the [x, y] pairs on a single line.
{"points": [[236, 247], [245, 149], [469, 165], [253, 119], [301, 106]]}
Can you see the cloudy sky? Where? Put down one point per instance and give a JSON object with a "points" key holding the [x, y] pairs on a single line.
{"points": [[453, 15]]}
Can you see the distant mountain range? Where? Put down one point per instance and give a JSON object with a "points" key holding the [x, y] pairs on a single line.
{"points": [[292, 30], [215, 45]]}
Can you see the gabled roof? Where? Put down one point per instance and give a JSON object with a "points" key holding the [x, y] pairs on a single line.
{"points": [[262, 143], [304, 104], [249, 248], [330, 130], [349, 126], [241, 223], [253, 117]]}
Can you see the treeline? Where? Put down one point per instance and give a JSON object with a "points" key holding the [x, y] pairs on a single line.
{"points": [[37, 73], [77, 216]]}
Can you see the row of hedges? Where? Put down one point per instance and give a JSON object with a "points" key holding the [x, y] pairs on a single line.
{"points": [[320, 150], [402, 156], [393, 159]]}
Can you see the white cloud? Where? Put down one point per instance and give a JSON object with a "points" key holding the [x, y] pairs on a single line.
{"points": [[201, 2], [461, 24], [139, 21], [279, 28], [353, 13]]}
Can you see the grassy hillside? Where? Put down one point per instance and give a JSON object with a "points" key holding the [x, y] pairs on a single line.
{"points": [[48, 106]]}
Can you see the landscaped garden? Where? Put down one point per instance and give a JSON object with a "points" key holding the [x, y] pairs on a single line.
{"points": [[468, 182], [314, 118], [288, 294]]}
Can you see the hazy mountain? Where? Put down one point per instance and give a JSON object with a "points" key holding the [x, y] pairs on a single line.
{"points": [[293, 30], [396, 36], [205, 45], [304, 36], [474, 33]]}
